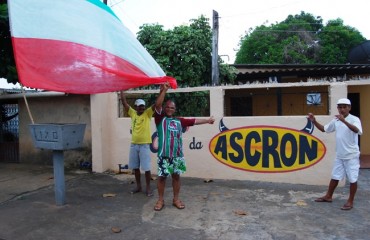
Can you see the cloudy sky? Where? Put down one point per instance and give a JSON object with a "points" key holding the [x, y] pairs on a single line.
{"points": [[236, 16]]}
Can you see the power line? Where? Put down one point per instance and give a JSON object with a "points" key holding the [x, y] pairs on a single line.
{"points": [[293, 31], [113, 4], [262, 10]]}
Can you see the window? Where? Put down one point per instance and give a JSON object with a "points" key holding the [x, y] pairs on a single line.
{"points": [[277, 101], [313, 99]]}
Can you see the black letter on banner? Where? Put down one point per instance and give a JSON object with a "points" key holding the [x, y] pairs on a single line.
{"points": [[252, 160], [236, 158], [267, 150], [221, 146], [306, 150], [288, 161]]}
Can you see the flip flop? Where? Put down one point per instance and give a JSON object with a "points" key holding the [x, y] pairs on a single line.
{"points": [[159, 205], [149, 194], [346, 207], [323, 200], [178, 204], [136, 190]]}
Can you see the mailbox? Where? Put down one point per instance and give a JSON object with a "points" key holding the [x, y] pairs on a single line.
{"points": [[58, 137]]}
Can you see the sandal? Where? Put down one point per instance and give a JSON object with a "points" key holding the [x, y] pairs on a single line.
{"points": [[159, 205], [323, 199], [135, 190], [347, 207], [178, 204]]}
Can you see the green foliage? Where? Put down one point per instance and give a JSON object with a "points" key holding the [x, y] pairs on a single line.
{"points": [[7, 63], [184, 52], [195, 104], [337, 40], [299, 39], [191, 103], [227, 73]]}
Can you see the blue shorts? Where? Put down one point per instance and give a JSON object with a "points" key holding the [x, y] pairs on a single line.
{"points": [[140, 157]]}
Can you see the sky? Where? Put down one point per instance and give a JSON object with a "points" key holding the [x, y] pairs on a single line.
{"points": [[236, 17]]}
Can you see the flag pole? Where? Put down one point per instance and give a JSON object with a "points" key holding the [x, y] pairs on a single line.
{"points": [[28, 108]]}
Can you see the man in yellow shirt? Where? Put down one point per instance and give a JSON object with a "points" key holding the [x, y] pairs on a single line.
{"points": [[140, 142]]}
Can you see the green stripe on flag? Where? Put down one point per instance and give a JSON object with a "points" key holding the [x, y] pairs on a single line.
{"points": [[102, 6]]}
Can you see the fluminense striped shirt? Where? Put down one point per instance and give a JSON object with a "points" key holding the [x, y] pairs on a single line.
{"points": [[170, 134]]}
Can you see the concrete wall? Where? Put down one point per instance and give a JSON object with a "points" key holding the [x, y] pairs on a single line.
{"points": [[107, 136], [111, 138], [54, 108]]}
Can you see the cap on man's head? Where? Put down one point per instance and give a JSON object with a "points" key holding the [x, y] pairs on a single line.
{"points": [[344, 101], [139, 102]]}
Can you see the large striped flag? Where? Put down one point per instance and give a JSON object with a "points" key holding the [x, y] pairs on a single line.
{"points": [[78, 46]]}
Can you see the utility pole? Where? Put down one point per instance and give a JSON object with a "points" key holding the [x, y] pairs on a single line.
{"points": [[215, 66]]}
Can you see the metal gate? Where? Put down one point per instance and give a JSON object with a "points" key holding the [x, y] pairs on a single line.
{"points": [[9, 132]]}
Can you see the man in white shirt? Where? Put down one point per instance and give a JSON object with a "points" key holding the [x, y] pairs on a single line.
{"points": [[347, 162]]}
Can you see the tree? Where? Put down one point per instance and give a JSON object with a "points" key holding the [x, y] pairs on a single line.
{"points": [[299, 39], [184, 52], [337, 40], [7, 63]]}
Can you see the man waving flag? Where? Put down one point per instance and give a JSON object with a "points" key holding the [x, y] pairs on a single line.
{"points": [[78, 46]]}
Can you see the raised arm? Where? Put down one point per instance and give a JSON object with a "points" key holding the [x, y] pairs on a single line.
{"points": [[160, 98], [124, 101], [199, 121], [312, 118]]}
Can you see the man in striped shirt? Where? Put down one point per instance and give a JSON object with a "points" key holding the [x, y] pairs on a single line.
{"points": [[170, 152]]}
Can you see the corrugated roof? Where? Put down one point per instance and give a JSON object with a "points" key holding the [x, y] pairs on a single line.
{"points": [[248, 72]]}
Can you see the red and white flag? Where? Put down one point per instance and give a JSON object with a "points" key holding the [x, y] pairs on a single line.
{"points": [[78, 46]]}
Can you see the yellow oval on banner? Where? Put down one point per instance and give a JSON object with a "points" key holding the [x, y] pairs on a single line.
{"points": [[267, 149]]}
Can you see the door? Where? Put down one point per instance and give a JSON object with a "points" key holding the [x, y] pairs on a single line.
{"points": [[9, 132]]}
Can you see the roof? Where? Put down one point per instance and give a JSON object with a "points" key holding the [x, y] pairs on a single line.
{"points": [[249, 72]]}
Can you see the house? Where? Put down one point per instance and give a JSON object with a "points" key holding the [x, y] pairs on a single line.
{"points": [[276, 102], [42, 107]]}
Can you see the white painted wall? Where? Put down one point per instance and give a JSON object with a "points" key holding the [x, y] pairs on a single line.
{"points": [[111, 139]]}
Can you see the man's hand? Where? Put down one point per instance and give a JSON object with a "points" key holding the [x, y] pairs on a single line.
{"points": [[340, 117], [211, 120], [311, 117], [165, 86]]}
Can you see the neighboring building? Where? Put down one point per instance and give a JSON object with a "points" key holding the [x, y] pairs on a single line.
{"points": [[307, 85], [43, 107]]}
